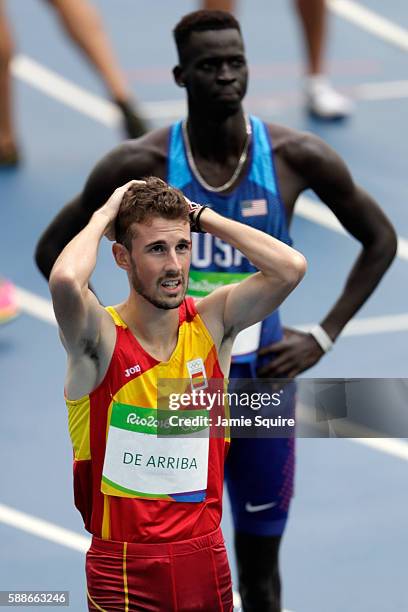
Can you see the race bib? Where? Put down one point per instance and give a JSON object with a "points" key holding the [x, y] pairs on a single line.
{"points": [[200, 284], [156, 454]]}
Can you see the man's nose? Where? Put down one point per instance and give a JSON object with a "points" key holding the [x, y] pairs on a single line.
{"points": [[225, 73], [172, 262]]}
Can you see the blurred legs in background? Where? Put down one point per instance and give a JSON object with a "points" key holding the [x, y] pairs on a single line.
{"points": [[82, 23]]}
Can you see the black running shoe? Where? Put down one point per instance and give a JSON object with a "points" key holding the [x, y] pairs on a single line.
{"points": [[133, 123], [9, 157]]}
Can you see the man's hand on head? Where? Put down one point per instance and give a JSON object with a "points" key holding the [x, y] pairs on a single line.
{"points": [[194, 212], [111, 207]]}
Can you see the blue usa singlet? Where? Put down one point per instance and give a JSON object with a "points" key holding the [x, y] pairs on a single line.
{"points": [[259, 472], [255, 201]]}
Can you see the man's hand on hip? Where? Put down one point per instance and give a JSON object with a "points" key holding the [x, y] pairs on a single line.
{"points": [[296, 352]]}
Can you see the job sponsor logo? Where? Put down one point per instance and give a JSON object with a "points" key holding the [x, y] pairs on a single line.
{"points": [[133, 370]]}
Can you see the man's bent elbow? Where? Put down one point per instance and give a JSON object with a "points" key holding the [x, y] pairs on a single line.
{"points": [[385, 246], [62, 283], [295, 269]]}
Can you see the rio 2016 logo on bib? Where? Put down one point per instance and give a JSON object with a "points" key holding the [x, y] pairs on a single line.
{"points": [[198, 376]]}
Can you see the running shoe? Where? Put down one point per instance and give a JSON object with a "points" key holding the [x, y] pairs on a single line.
{"points": [[9, 157], [133, 123], [323, 101], [9, 306]]}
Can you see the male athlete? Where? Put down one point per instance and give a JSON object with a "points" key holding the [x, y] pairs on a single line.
{"points": [[153, 503], [251, 172]]}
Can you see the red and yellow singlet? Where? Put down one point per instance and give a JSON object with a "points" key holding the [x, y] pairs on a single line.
{"points": [[110, 510]]}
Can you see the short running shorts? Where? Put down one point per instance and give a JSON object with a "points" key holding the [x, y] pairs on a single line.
{"points": [[183, 576]]}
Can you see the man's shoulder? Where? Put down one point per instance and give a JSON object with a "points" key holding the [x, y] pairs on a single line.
{"points": [[294, 145], [283, 135], [132, 159], [145, 153]]}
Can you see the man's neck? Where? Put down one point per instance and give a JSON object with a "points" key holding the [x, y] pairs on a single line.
{"points": [[155, 328], [216, 138]]}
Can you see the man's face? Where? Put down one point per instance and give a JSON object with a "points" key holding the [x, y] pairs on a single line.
{"points": [[160, 261], [213, 69]]}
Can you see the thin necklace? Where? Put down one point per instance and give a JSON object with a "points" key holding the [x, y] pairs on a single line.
{"points": [[237, 171]]}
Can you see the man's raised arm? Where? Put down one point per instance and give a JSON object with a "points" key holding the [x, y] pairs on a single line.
{"points": [[280, 267], [78, 312]]}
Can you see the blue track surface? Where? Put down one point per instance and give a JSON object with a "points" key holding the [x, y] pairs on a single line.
{"points": [[345, 547]]}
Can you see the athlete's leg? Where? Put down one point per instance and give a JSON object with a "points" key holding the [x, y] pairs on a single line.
{"points": [[322, 99], [218, 5], [259, 476], [258, 572], [83, 24], [312, 14], [8, 149]]}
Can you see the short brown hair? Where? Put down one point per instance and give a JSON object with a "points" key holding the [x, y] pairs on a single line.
{"points": [[142, 202]]}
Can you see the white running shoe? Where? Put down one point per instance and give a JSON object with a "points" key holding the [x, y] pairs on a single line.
{"points": [[325, 102]]}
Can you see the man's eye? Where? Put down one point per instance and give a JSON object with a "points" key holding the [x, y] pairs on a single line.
{"points": [[207, 66], [237, 62], [158, 248], [183, 247]]}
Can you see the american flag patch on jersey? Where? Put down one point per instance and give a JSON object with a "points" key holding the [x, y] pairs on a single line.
{"points": [[250, 208]]}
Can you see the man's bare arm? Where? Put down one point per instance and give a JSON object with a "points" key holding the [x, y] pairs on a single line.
{"points": [[361, 216], [324, 171], [86, 328], [238, 306]]}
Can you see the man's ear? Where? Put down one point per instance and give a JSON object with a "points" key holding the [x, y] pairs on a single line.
{"points": [[177, 74], [122, 256]]}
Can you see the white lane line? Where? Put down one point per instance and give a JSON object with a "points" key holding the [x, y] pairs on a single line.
{"points": [[389, 446], [376, 325], [369, 325], [61, 89], [36, 306], [43, 529], [322, 215], [92, 106], [40, 308], [388, 90], [371, 22]]}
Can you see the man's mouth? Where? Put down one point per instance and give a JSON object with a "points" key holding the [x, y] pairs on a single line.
{"points": [[227, 93], [171, 284]]}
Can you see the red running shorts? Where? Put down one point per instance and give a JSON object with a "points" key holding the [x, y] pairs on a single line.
{"points": [[184, 576]]}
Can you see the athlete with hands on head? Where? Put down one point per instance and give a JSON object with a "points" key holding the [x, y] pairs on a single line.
{"points": [[155, 527]]}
